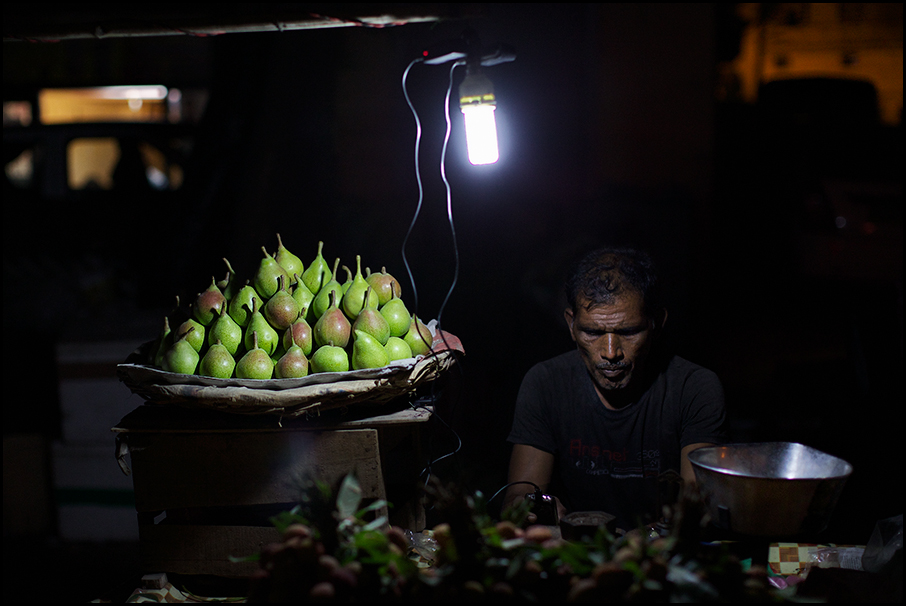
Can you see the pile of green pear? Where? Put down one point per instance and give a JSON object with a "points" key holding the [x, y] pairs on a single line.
{"points": [[290, 320]]}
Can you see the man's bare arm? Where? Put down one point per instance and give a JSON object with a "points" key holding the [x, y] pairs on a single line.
{"points": [[686, 470], [528, 464]]}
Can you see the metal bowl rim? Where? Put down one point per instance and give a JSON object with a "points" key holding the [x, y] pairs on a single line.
{"points": [[693, 458]]}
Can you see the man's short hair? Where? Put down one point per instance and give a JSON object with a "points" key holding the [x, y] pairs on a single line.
{"points": [[607, 273]]}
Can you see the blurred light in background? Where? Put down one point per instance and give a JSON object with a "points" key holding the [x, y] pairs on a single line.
{"points": [[103, 104]]}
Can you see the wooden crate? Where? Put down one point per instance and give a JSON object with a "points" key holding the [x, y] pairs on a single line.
{"points": [[207, 483]]}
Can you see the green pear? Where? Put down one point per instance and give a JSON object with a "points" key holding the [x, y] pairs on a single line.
{"points": [[317, 273], [267, 338], [354, 299], [304, 298], [208, 303], [225, 331], [348, 281], [397, 315], [367, 352], [228, 285], [267, 277], [300, 333], [418, 338], [256, 363], [179, 314], [290, 263], [322, 300], [278, 352], [371, 321], [162, 344], [332, 327], [329, 358], [240, 306], [385, 286], [194, 332], [397, 349], [181, 357], [218, 362], [281, 310], [293, 364]]}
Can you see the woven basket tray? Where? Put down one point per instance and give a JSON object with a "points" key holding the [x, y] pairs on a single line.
{"points": [[290, 397]]}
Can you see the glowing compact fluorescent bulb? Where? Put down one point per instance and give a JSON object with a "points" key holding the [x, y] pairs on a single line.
{"points": [[477, 102]]}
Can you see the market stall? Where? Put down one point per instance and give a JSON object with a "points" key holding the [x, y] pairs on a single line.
{"points": [[280, 457], [217, 449], [206, 486], [308, 488], [329, 552]]}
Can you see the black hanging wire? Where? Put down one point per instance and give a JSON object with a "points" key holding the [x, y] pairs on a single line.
{"points": [[505, 486]]}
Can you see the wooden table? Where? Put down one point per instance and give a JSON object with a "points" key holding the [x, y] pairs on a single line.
{"points": [[206, 482]]}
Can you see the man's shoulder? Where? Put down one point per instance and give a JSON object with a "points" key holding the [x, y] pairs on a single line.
{"points": [[695, 393], [685, 383], [679, 367]]}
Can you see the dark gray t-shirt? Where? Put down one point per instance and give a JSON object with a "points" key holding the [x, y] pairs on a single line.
{"points": [[616, 461]]}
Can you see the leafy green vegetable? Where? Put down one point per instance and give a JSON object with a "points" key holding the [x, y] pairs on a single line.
{"points": [[335, 548]]}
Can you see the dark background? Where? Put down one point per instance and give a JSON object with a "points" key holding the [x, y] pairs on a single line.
{"points": [[610, 134]]}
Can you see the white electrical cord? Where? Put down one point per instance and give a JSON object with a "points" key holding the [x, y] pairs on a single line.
{"points": [[418, 179], [427, 470], [421, 191]]}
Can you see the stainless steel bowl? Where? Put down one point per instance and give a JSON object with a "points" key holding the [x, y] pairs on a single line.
{"points": [[774, 489]]}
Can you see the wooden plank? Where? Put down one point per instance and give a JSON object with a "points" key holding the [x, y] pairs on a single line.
{"points": [[400, 417], [171, 419], [202, 549], [179, 470]]}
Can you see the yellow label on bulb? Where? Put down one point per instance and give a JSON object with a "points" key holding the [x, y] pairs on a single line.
{"points": [[485, 99]]}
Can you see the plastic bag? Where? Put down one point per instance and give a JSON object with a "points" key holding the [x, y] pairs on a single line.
{"points": [[423, 546], [885, 547], [837, 557]]}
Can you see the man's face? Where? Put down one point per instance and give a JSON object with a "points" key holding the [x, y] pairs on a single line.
{"points": [[613, 340]]}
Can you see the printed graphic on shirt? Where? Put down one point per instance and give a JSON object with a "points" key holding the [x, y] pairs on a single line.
{"points": [[618, 463]]}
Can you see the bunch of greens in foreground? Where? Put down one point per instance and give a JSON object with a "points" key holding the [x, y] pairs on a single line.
{"points": [[337, 550]]}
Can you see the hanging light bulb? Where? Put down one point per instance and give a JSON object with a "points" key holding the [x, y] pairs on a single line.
{"points": [[477, 102], [476, 93]]}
